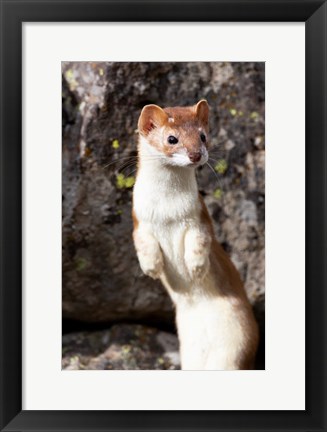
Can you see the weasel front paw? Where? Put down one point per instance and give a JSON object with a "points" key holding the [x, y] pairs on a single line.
{"points": [[197, 265], [151, 265]]}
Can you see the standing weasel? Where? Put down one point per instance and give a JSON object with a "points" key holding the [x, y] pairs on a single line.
{"points": [[175, 242]]}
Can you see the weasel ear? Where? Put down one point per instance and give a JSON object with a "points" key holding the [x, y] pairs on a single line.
{"points": [[152, 116], [202, 111]]}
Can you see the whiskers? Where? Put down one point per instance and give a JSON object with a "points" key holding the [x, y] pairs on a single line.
{"points": [[128, 166], [219, 180], [126, 162], [214, 160], [121, 159]]}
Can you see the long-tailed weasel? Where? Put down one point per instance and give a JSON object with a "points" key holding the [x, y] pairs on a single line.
{"points": [[174, 240]]}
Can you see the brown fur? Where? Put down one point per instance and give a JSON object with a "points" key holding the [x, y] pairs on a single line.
{"points": [[226, 271], [135, 220], [185, 123]]}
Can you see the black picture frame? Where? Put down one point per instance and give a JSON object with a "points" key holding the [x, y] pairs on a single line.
{"points": [[13, 14]]}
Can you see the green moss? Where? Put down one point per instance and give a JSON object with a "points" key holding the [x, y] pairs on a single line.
{"points": [[221, 166], [70, 77], [120, 181], [123, 182], [129, 182], [80, 263], [126, 349], [235, 113], [218, 193], [115, 144], [69, 74]]}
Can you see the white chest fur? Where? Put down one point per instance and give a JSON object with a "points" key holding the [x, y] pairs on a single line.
{"points": [[164, 194], [166, 205]]}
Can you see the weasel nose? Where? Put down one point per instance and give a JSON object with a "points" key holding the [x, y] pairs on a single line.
{"points": [[194, 156]]}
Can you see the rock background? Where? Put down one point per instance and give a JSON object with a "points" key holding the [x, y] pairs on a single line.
{"points": [[102, 282], [124, 346]]}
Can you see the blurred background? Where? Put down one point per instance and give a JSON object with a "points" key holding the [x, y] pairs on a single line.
{"points": [[114, 317]]}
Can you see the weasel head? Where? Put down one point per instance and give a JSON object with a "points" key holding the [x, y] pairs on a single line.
{"points": [[178, 135]]}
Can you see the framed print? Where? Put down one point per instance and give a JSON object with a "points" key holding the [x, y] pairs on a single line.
{"points": [[98, 99]]}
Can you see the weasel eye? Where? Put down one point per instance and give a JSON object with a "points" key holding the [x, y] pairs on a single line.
{"points": [[172, 140], [203, 137]]}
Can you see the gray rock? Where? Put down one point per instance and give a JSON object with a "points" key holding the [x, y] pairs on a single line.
{"points": [[101, 104], [123, 346]]}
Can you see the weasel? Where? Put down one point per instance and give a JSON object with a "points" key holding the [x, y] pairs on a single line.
{"points": [[175, 242]]}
